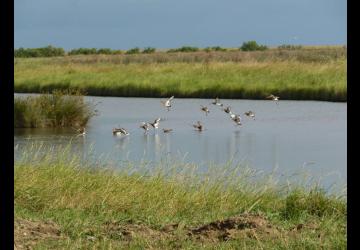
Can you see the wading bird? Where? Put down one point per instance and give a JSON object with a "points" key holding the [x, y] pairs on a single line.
{"points": [[167, 103], [250, 114], [198, 126], [81, 131], [205, 109], [217, 102], [273, 97], [119, 131]]}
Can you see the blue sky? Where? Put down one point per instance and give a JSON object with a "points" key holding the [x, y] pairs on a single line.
{"points": [[124, 24]]}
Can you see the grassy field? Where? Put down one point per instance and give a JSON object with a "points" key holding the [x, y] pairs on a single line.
{"points": [[59, 109], [304, 74], [63, 204]]}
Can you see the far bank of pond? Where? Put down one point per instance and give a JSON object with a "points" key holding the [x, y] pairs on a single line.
{"points": [[294, 75]]}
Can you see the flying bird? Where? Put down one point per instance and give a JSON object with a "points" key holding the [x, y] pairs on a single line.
{"points": [[145, 126], [236, 119], [120, 131], [167, 103], [273, 97], [156, 123], [227, 109]]}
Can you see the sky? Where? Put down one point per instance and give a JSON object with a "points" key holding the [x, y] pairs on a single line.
{"points": [[125, 24]]}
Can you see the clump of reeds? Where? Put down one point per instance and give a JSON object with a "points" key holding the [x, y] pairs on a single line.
{"points": [[57, 109]]}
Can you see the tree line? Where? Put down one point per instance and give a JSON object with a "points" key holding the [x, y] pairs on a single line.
{"points": [[50, 51]]}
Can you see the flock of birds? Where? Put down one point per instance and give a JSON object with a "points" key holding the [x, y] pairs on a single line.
{"points": [[198, 126]]}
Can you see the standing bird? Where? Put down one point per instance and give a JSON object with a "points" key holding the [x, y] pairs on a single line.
{"points": [[217, 102], [250, 114], [273, 97], [205, 109], [198, 126], [81, 131], [155, 124], [167, 130], [227, 109], [145, 126], [167, 103], [119, 131]]}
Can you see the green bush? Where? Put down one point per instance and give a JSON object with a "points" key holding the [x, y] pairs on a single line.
{"points": [[184, 49], [149, 50], [83, 51], [252, 46], [289, 46], [104, 51], [135, 50], [214, 48], [117, 52], [48, 51]]}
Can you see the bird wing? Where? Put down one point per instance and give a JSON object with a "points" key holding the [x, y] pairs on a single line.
{"points": [[171, 98]]}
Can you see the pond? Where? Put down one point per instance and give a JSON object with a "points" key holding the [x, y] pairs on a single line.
{"points": [[289, 137]]}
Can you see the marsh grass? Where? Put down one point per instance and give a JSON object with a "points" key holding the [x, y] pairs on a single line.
{"points": [[306, 74], [82, 200], [61, 108]]}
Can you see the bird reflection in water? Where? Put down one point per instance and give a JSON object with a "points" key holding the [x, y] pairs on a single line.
{"points": [[122, 142]]}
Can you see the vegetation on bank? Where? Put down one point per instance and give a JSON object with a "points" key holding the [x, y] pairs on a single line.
{"points": [[312, 74], [59, 109], [252, 46], [51, 51], [170, 207], [48, 51]]}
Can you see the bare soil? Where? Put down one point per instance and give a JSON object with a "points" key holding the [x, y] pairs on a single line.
{"points": [[28, 233]]}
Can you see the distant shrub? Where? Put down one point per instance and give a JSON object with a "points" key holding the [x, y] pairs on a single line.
{"points": [[83, 51], [214, 48], [148, 50], [252, 46], [135, 50], [105, 51], [184, 49], [117, 52], [289, 46], [48, 51]]}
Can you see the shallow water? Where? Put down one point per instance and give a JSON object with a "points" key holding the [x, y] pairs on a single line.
{"points": [[290, 137]]}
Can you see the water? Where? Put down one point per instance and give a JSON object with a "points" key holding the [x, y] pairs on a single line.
{"points": [[290, 137]]}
